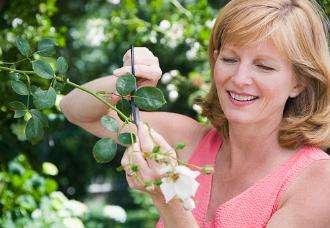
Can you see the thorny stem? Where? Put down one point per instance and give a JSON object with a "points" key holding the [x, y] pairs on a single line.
{"points": [[25, 72]]}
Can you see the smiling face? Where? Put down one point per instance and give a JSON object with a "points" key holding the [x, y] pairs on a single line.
{"points": [[253, 82]]}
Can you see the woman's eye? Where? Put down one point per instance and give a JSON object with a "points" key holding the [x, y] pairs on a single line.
{"points": [[265, 67], [229, 60]]}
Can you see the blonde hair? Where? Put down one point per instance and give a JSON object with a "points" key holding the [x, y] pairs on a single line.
{"points": [[298, 28]]}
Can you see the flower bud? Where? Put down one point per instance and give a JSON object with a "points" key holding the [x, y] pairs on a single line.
{"points": [[207, 169]]}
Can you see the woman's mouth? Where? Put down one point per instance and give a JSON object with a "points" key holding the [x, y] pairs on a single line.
{"points": [[241, 99]]}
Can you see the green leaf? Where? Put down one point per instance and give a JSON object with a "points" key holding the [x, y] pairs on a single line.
{"points": [[124, 106], [104, 150], [43, 69], [17, 105], [40, 116], [61, 65], [19, 113], [34, 130], [109, 123], [46, 47], [19, 87], [44, 98], [125, 138], [23, 46], [180, 146], [14, 76], [149, 98], [125, 84]]}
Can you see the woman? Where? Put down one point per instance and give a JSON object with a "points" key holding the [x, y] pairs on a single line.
{"points": [[269, 109]]}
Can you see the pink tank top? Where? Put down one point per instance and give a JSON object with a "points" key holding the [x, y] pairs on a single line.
{"points": [[254, 207]]}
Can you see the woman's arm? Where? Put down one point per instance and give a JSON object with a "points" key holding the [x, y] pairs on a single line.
{"points": [[86, 111], [308, 203], [174, 215], [173, 212]]}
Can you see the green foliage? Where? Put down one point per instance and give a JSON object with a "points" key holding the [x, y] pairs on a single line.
{"points": [[43, 69], [19, 87], [127, 138], [125, 84], [125, 107], [109, 123], [180, 146], [149, 98], [104, 150], [44, 98], [61, 65], [22, 188], [46, 47], [23, 46], [93, 39]]}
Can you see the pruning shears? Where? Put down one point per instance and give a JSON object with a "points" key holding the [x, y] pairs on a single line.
{"points": [[135, 109]]}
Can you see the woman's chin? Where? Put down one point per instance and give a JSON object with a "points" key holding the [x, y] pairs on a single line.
{"points": [[240, 119]]}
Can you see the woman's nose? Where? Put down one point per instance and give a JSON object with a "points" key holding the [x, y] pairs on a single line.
{"points": [[242, 76]]}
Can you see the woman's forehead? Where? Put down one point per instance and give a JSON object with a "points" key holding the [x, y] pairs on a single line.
{"points": [[265, 46]]}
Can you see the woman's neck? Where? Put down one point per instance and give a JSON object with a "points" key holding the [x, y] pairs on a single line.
{"points": [[251, 145]]}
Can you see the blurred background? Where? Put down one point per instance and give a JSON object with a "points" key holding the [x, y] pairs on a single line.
{"points": [[57, 179]]}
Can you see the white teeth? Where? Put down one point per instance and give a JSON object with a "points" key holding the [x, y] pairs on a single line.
{"points": [[241, 97]]}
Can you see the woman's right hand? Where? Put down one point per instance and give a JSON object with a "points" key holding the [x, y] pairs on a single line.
{"points": [[146, 66]]}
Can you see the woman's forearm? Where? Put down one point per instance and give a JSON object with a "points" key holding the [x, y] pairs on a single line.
{"points": [[80, 106], [174, 215]]}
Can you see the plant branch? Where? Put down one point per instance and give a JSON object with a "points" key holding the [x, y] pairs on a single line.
{"points": [[99, 98], [18, 71], [78, 87], [181, 8]]}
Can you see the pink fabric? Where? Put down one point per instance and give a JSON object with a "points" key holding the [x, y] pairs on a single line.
{"points": [[255, 205]]}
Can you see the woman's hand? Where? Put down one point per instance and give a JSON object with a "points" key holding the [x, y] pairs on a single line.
{"points": [[142, 166], [173, 213], [146, 67]]}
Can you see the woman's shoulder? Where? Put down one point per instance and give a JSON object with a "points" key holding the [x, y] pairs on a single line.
{"points": [[314, 178], [195, 138]]}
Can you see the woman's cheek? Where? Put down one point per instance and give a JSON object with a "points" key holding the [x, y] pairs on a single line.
{"points": [[222, 73]]}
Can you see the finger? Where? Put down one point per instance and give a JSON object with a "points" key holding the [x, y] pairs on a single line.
{"points": [[143, 60], [159, 140], [141, 71], [147, 145], [142, 55], [145, 140], [136, 157], [131, 177]]}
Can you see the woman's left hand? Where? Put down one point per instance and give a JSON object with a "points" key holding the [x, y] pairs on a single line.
{"points": [[172, 213], [143, 167]]}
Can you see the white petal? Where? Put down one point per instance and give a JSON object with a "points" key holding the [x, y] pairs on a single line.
{"points": [[184, 187], [194, 187], [165, 169], [189, 204], [167, 189], [183, 170]]}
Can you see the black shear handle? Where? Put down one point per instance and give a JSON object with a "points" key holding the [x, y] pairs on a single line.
{"points": [[135, 109]]}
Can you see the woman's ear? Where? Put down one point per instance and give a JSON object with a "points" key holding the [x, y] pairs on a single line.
{"points": [[215, 55], [297, 89]]}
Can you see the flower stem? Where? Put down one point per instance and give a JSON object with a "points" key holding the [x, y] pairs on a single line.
{"points": [[98, 97], [76, 86], [18, 71], [12, 63]]}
